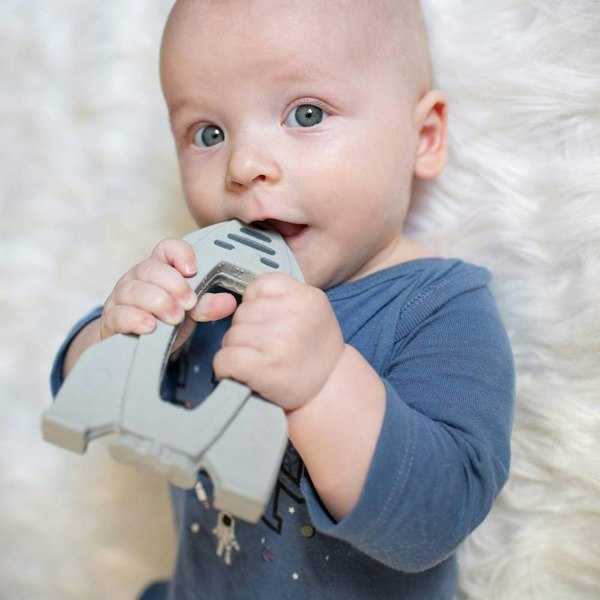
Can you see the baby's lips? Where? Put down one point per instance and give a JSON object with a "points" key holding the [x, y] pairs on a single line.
{"points": [[285, 229]]}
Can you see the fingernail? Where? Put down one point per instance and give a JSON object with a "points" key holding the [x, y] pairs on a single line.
{"points": [[189, 268], [177, 314], [148, 324], [190, 300]]}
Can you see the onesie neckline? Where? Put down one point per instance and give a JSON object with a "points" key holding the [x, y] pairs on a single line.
{"points": [[351, 288]]}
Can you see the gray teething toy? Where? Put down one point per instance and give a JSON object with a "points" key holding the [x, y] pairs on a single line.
{"points": [[237, 437]]}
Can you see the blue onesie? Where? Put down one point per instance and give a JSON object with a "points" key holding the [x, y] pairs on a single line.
{"points": [[431, 329]]}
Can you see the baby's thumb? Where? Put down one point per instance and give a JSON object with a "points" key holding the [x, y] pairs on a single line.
{"points": [[212, 307]]}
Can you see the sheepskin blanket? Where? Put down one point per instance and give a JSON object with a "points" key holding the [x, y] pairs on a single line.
{"points": [[89, 184]]}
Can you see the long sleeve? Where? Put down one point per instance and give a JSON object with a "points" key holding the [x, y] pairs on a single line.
{"points": [[56, 374], [444, 450]]}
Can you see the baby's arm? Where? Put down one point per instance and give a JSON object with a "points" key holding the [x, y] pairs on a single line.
{"points": [[154, 289], [336, 433], [443, 451], [285, 343], [402, 464]]}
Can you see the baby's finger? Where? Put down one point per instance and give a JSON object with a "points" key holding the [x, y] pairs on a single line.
{"points": [[239, 363], [166, 277], [212, 307], [125, 319], [261, 311], [177, 253], [272, 285], [150, 298], [246, 336]]}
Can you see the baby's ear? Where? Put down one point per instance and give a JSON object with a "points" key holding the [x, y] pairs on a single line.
{"points": [[431, 122]]}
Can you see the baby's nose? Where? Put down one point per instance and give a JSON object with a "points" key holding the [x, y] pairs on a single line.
{"points": [[249, 165]]}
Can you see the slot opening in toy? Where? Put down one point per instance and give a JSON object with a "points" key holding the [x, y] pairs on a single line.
{"points": [[181, 372]]}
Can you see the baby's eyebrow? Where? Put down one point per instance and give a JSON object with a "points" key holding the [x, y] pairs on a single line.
{"points": [[178, 105], [306, 73]]}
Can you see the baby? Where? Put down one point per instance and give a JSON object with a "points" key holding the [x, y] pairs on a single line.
{"points": [[392, 364]]}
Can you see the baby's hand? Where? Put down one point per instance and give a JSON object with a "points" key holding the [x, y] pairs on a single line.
{"points": [[157, 288], [284, 341]]}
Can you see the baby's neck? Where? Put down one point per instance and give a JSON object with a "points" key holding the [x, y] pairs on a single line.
{"points": [[406, 250], [403, 251]]}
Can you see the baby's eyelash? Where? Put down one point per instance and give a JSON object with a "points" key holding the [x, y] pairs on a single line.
{"points": [[313, 102], [192, 130]]}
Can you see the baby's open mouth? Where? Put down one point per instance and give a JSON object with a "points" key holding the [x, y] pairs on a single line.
{"points": [[286, 230]]}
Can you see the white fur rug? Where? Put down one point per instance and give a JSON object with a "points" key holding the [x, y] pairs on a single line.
{"points": [[89, 185]]}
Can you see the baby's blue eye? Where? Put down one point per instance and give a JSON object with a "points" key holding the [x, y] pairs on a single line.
{"points": [[305, 115], [209, 136]]}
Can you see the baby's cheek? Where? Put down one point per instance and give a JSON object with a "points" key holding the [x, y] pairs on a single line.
{"points": [[199, 189]]}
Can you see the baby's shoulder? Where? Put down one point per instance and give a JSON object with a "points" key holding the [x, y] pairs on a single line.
{"points": [[448, 291], [389, 305], [437, 281]]}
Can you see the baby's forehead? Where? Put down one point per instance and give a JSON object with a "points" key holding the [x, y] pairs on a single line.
{"points": [[362, 30], [370, 22], [373, 15]]}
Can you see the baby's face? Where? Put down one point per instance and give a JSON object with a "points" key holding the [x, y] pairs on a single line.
{"points": [[294, 113]]}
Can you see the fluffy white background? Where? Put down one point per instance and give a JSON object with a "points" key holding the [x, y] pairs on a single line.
{"points": [[89, 184]]}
